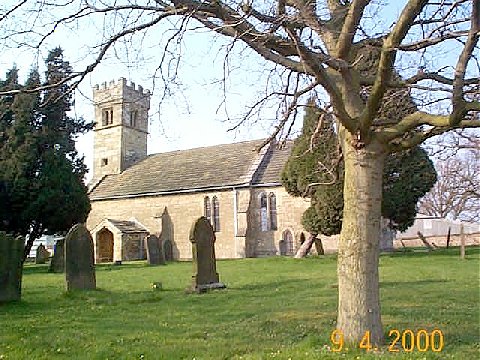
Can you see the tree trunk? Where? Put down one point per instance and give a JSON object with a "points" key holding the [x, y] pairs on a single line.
{"points": [[424, 241], [358, 250], [305, 247], [319, 246], [34, 234], [462, 242]]}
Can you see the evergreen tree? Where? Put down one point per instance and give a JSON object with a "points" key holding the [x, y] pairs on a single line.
{"points": [[309, 172], [41, 174], [317, 148]]}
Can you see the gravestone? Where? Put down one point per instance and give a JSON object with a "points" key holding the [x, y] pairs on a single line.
{"points": [[155, 254], [41, 255], [205, 275], [57, 264], [79, 259], [11, 261], [167, 249]]}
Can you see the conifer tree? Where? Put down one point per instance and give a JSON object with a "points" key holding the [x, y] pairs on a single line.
{"points": [[41, 174], [317, 148], [310, 172]]}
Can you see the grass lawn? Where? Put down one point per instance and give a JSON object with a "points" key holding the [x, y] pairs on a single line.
{"points": [[278, 308]]}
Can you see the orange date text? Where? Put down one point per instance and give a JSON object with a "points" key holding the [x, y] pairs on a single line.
{"points": [[406, 340]]}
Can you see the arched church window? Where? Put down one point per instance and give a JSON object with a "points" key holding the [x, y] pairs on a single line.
{"points": [[216, 214], [263, 212], [272, 205], [207, 208], [286, 244]]}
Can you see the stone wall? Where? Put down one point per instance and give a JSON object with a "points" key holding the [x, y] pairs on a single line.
{"points": [[240, 233], [134, 145], [107, 145], [439, 240], [289, 214], [183, 210], [120, 142]]}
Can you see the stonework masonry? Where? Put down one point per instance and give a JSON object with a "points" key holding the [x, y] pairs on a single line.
{"points": [[183, 209], [120, 134], [124, 211]]}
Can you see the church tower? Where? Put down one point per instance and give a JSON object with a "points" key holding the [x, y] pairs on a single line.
{"points": [[121, 129]]}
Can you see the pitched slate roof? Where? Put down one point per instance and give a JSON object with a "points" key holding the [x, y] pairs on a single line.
{"points": [[270, 170], [204, 168], [183, 170], [127, 226]]}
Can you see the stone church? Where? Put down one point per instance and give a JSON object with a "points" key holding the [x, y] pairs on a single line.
{"points": [[134, 194]]}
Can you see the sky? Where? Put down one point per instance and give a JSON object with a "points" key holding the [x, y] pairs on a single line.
{"points": [[199, 107]]}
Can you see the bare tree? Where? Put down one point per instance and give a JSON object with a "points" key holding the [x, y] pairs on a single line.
{"points": [[456, 194], [333, 45]]}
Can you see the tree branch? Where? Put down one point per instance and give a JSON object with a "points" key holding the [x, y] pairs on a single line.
{"points": [[350, 26], [387, 60], [459, 79]]}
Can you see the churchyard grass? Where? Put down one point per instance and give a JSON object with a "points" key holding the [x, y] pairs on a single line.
{"points": [[273, 308]]}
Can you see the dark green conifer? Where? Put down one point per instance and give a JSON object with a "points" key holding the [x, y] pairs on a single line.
{"points": [[315, 170], [41, 174]]}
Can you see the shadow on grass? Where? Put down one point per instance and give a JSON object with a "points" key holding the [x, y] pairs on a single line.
{"points": [[32, 268], [274, 285], [416, 282], [128, 265], [453, 251]]}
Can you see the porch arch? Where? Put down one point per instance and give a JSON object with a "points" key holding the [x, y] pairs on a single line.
{"points": [[104, 245]]}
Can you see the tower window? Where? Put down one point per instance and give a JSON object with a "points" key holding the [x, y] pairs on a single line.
{"points": [[107, 116], [104, 162], [133, 118]]}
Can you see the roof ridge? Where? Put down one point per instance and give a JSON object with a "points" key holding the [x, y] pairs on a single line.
{"points": [[206, 147]]}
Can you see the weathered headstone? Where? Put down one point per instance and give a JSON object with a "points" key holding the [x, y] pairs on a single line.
{"points": [[205, 275], [155, 254], [41, 255], [57, 264], [11, 256], [167, 249], [79, 259]]}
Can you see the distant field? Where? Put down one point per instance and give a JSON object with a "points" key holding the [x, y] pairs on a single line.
{"points": [[274, 308]]}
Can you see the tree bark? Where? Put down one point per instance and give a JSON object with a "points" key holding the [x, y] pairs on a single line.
{"points": [[424, 241], [304, 249], [358, 251], [448, 237], [319, 246], [462, 242], [34, 234]]}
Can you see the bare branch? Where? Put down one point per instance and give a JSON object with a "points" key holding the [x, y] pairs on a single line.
{"points": [[350, 26], [387, 59]]}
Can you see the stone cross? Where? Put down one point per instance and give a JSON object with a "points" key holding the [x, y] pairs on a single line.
{"points": [[155, 254], [11, 261], [79, 259], [57, 264], [41, 255], [205, 275]]}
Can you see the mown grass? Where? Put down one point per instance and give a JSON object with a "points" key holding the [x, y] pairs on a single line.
{"points": [[273, 308]]}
